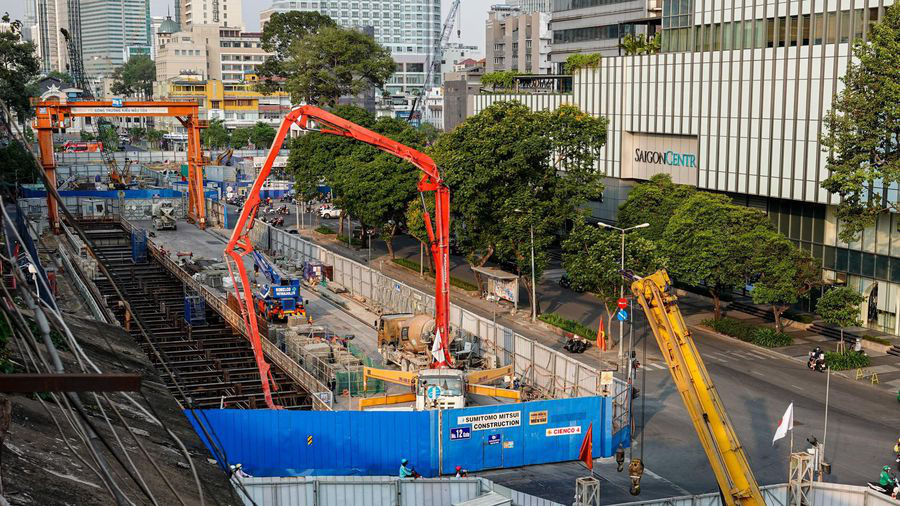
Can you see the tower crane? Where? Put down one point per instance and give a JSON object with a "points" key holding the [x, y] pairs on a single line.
{"points": [[720, 443], [313, 119], [437, 55], [76, 64]]}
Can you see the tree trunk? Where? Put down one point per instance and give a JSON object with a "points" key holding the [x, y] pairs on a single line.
{"points": [[389, 241], [778, 311], [526, 280], [717, 304], [340, 225], [480, 263]]}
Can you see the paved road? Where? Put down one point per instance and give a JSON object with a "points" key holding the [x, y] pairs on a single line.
{"points": [[755, 385]]}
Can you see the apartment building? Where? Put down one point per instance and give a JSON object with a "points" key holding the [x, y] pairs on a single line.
{"points": [[740, 90], [517, 41], [210, 51], [226, 13], [237, 104]]}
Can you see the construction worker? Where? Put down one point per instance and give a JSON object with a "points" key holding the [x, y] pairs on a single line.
{"points": [[406, 471], [461, 473]]}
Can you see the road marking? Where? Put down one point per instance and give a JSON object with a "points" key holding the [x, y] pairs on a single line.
{"points": [[795, 386], [758, 353]]}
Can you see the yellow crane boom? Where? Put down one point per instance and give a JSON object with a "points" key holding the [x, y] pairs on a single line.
{"points": [[723, 449]]}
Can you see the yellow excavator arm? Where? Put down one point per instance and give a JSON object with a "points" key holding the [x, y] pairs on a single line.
{"points": [[724, 451]]}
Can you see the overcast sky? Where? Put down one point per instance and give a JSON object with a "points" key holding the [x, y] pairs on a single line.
{"points": [[473, 14]]}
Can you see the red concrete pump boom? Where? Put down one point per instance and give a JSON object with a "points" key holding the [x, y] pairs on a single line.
{"points": [[314, 119]]}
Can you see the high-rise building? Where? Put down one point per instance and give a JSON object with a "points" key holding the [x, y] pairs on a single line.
{"points": [[734, 103], [596, 26], [408, 28], [455, 52], [112, 31], [517, 41], [50, 16], [210, 12], [29, 20]]}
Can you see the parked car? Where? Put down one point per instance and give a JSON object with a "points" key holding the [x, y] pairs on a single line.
{"points": [[329, 211]]}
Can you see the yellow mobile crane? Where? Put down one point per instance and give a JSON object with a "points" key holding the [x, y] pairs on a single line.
{"points": [[724, 451]]}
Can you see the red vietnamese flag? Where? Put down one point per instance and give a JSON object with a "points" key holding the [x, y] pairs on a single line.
{"points": [[601, 336], [586, 454]]}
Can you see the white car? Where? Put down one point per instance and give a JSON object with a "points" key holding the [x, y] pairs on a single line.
{"points": [[329, 212]]}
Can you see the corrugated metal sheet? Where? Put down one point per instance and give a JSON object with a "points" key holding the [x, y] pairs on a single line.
{"points": [[362, 491], [823, 494]]}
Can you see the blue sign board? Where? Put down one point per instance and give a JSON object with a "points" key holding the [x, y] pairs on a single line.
{"points": [[433, 392], [495, 439], [285, 291], [117, 102], [460, 433], [622, 315]]}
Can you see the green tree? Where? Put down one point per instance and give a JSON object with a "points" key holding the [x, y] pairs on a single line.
{"points": [[840, 307], [314, 156], [62, 76], [500, 80], [503, 169], [710, 242], [240, 137], [579, 61], [109, 136], [136, 134], [215, 135], [592, 258], [637, 45], [135, 78], [415, 224], [281, 31], [18, 69], [861, 130], [155, 137], [785, 274], [335, 62], [87, 136], [653, 202], [16, 165], [262, 135]]}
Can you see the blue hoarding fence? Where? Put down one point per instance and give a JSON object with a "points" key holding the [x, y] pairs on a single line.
{"points": [[302, 443]]}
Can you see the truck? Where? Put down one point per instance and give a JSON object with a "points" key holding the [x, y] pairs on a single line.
{"points": [[163, 215], [405, 340], [280, 297]]}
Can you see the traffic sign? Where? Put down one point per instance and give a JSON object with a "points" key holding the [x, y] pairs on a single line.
{"points": [[622, 303], [460, 433], [433, 392], [622, 315], [495, 439]]}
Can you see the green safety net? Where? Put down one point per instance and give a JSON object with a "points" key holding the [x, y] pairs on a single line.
{"points": [[352, 381]]}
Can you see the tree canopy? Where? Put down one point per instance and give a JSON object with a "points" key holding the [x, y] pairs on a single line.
{"points": [[240, 137], [215, 135], [511, 170], [591, 258], [18, 69], [711, 242], [135, 77], [281, 31], [578, 61], [862, 136], [784, 274], [335, 62], [840, 307], [653, 202], [637, 45], [262, 135]]}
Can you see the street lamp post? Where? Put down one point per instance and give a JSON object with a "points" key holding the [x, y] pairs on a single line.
{"points": [[533, 280], [623, 231]]}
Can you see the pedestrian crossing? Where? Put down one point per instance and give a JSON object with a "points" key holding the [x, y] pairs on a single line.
{"points": [[742, 355]]}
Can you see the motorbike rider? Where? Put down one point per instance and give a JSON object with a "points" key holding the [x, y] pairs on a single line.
{"points": [[887, 479]]}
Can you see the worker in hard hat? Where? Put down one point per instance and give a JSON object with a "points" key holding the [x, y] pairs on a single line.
{"points": [[461, 473], [406, 471]]}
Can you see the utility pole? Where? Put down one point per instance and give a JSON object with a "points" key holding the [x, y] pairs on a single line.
{"points": [[623, 231], [533, 289]]}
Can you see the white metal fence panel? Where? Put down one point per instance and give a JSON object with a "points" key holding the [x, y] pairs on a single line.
{"points": [[419, 492]]}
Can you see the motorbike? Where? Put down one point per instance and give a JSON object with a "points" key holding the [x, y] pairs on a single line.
{"points": [[890, 490], [283, 210], [816, 362], [277, 222]]}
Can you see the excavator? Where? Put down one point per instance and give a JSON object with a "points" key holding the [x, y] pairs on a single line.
{"points": [[726, 456], [312, 119]]}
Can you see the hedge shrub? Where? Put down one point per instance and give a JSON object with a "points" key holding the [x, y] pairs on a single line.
{"points": [[760, 336], [568, 325], [846, 360]]}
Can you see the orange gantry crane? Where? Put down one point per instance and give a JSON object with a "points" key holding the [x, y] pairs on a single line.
{"points": [[53, 116], [311, 118]]}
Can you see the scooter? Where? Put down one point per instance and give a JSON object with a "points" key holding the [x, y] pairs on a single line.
{"points": [[283, 210], [892, 490], [576, 345], [816, 362]]}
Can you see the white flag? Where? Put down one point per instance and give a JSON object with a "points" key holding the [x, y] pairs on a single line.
{"points": [[787, 423], [437, 349]]}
